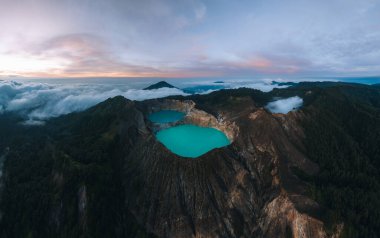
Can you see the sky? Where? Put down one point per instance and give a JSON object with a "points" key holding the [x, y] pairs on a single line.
{"points": [[189, 38]]}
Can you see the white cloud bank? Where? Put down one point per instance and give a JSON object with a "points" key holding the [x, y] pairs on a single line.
{"points": [[284, 105], [209, 86], [42, 101], [262, 86]]}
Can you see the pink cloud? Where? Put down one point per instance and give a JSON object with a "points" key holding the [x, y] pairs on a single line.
{"points": [[86, 55], [258, 63]]}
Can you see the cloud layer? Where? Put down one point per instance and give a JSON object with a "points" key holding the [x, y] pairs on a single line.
{"points": [[39, 101], [208, 86], [284, 105]]}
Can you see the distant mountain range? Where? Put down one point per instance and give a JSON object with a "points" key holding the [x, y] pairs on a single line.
{"points": [[314, 172], [161, 84], [189, 90]]}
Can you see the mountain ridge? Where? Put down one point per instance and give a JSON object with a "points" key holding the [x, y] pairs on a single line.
{"points": [[161, 84], [113, 178]]}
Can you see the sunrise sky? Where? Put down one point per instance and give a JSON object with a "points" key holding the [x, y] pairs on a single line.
{"points": [[189, 38]]}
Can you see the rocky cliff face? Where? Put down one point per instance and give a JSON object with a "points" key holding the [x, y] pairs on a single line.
{"points": [[247, 189], [244, 190], [283, 218], [192, 116]]}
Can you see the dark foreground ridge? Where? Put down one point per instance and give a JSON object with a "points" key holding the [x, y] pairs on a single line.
{"points": [[314, 172], [161, 84]]}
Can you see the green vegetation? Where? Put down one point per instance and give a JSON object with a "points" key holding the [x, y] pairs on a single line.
{"points": [[343, 136], [48, 169], [48, 173]]}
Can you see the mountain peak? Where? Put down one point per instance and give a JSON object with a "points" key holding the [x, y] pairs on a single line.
{"points": [[161, 84]]}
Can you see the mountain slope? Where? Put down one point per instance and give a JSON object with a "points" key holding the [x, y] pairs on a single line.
{"points": [[343, 137], [67, 181], [102, 173], [161, 84]]}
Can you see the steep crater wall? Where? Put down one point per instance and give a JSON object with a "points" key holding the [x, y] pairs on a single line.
{"points": [[192, 116]]}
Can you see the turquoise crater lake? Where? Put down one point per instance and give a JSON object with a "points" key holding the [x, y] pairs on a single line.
{"points": [[192, 141], [166, 116]]}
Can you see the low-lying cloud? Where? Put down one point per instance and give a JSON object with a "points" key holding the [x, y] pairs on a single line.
{"points": [[204, 87], [38, 101], [41, 101], [284, 105], [262, 86]]}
